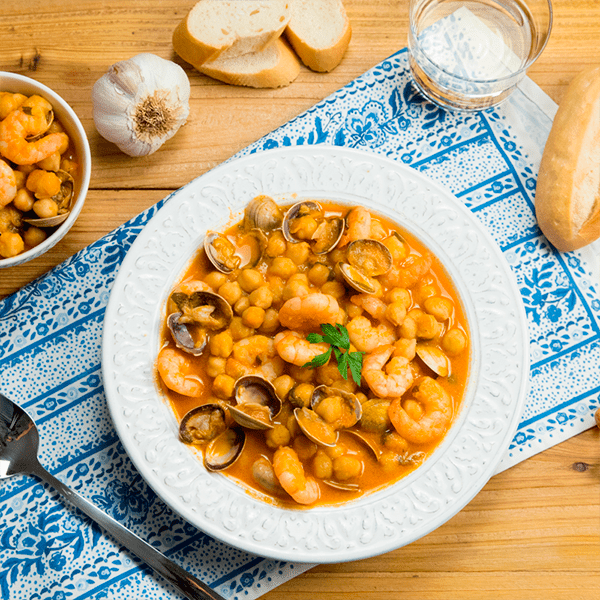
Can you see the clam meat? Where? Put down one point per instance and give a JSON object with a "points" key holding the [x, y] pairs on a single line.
{"points": [[434, 358], [256, 402], [202, 423], [315, 428]]}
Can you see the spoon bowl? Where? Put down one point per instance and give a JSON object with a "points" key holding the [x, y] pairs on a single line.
{"points": [[19, 441]]}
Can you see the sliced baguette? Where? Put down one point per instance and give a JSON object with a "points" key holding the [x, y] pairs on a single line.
{"points": [[229, 28], [567, 198], [273, 67], [319, 32]]}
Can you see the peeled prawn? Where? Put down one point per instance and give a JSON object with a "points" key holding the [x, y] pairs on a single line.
{"points": [[17, 127], [175, 369], [8, 184], [376, 307], [408, 272], [434, 421], [290, 473], [387, 380], [255, 355], [359, 226], [366, 337], [308, 312], [295, 349]]}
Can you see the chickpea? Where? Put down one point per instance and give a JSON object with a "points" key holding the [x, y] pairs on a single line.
{"points": [[241, 305], [292, 426], [55, 127], [215, 366], [454, 341], [69, 166], [408, 329], [303, 228], [221, 344], [231, 291], [34, 236], [328, 374], [428, 327], [424, 292], [282, 267], [394, 441], [262, 297], [20, 179], [43, 184], [335, 451], [215, 279], [322, 465], [397, 247], [45, 208], [413, 409], [330, 409], [26, 168], [362, 398], [23, 200], [278, 436], [305, 449], [276, 285], [276, 245], [300, 374], [301, 395], [51, 163], [347, 467], [395, 313], [406, 348], [319, 274], [334, 288], [253, 317], [238, 330], [270, 322], [11, 244], [440, 307], [398, 294], [295, 289], [283, 384], [345, 385], [223, 386], [299, 252], [250, 279]]}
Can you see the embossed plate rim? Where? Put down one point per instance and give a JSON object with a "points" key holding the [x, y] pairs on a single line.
{"points": [[380, 522]]}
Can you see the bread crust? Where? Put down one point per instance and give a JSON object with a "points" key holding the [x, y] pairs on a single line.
{"points": [[279, 75], [567, 200]]}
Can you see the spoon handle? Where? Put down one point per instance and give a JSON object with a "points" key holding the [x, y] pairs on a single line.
{"points": [[187, 584]]}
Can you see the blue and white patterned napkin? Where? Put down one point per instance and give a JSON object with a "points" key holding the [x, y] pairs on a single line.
{"points": [[50, 336]]}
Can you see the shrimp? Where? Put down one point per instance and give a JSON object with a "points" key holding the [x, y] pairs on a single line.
{"points": [[8, 184], [365, 337], [435, 420], [290, 473], [293, 348], [175, 369], [308, 312], [254, 355], [10, 102], [407, 273], [398, 376], [376, 307], [28, 121], [359, 226], [270, 369]]}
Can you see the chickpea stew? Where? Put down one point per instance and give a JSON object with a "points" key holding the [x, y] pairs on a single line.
{"points": [[37, 171], [237, 342]]}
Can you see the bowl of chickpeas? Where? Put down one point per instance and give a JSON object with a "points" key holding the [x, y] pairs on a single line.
{"points": [[45, 167]]}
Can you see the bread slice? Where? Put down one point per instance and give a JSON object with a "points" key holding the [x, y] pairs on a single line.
{"points": [[275, 66], [229, 28], [319, 32]]}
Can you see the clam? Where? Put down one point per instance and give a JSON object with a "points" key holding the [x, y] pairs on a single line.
{"points": [[226, 257], [327, 231], [199, 311], [370, 256], [264, 474], [64, 200], [257, 403], [306, 208], [367, 441], [224, 449], [315, 428], [263, 213], [203, 423], [356, 279], [338, 485], [327, 235], [434, 358], [49, 120], [346, 407]]}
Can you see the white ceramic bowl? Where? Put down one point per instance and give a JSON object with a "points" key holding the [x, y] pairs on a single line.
{"points": [[386, 519], [12, 82]]}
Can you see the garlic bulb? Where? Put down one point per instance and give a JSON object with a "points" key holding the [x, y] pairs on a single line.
{"points": [[140, 103]]}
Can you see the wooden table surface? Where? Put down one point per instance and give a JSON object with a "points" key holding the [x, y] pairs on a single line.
{"points": [[534, 530]]}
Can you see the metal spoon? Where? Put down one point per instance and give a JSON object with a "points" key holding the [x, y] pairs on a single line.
{"points": [[18, 456]]}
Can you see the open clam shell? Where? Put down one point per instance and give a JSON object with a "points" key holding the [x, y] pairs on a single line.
{"points": [[257, 403], [298, 210], [315, 428], [64, 200], [356, 279], [49, 120], [327, 235], [263, 213], [224, 449], [202, 423], [226, 257], [350, 408], [435, 359], [368, 441], [370, 256], [264, 474], [183, 338]]}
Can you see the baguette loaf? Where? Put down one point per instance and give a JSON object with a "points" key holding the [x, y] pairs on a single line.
{"points": [[319, 31], [229, 28], [273, 67], [567, 200]]}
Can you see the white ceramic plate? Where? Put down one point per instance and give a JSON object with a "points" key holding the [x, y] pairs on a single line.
{"points": [[385, 520]]}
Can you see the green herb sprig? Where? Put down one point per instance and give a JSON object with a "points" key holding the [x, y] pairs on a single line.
{"points": [[339, 341]]}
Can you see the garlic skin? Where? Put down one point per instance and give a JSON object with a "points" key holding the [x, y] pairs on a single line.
{"points": [[140, 103]]}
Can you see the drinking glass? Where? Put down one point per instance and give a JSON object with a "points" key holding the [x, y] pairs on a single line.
{"points": [[471, 55]]}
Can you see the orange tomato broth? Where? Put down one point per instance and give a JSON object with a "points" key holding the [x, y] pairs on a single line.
{"points": [[373, 477]]}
